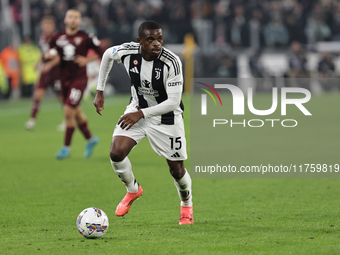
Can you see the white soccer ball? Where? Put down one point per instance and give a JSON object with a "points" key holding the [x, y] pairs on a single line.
{"points": [[92, 222]]}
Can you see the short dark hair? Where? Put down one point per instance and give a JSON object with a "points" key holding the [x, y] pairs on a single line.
{"points": [[148, 25], [73, 10], [49, 18]]}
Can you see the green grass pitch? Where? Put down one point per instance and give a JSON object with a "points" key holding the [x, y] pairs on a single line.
{"points": [[41, 197]]}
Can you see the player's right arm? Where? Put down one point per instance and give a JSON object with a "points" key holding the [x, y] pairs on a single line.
{"points": [[106, 64]]}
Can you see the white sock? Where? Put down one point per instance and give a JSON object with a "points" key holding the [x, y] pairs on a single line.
{"points": [[124, 171], [184, 189]]}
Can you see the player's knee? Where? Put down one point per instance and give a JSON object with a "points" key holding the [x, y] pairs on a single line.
{"points": [[117, 155], [69, 112], [81, 119], [177, 169], [37, 96], [68, 116]]}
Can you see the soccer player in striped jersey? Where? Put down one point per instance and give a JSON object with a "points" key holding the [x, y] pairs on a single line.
{"points": [[155, 112]]}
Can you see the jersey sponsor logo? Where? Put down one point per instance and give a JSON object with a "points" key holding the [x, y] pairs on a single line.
{"points": [[77, 40], [69, 51], [135, 62], [175, 83], [134, 70], [146, 83], [158, 73], [146, 90]]}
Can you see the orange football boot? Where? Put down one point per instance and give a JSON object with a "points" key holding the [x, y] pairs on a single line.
{"points": [[187, 215], [124, 206]]}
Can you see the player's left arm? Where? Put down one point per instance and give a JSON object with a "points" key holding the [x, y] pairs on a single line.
{"points": [[174, 87]]}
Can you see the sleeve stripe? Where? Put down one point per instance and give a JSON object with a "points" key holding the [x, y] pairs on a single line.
{"points": [[128, 51], [129, 48], [173, 60]]}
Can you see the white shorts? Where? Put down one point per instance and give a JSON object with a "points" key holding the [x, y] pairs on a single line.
{"points": [[167, 141]]}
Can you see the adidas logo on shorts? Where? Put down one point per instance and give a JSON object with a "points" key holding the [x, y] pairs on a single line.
{"points": [[176, 155]]}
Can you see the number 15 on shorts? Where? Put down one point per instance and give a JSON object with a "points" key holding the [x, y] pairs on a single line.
{"points": [[175, 143]]}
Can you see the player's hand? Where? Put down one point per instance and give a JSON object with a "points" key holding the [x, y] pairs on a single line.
{"points": [[98, 101], [129, 119], [81, 60]]}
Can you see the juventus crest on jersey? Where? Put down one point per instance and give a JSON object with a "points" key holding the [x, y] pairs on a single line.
{"points": [[151, 81]]}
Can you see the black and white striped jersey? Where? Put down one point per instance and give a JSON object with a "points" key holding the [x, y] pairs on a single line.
{"points": [[156, 86]]}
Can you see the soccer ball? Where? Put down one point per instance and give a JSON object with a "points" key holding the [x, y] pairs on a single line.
{"points": [[92, 222]]}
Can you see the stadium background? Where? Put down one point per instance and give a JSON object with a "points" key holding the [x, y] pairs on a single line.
{"points": [[40, 197]]}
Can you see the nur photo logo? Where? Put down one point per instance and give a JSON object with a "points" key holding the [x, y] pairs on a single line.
{"points": [[238, 104], [204, 97]]}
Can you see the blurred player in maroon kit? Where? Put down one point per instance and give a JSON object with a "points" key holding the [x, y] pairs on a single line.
{"points": [[50, 71], [70, 48]]}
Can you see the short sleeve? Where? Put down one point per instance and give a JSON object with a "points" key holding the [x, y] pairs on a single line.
{"points": [[95, 44]]}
